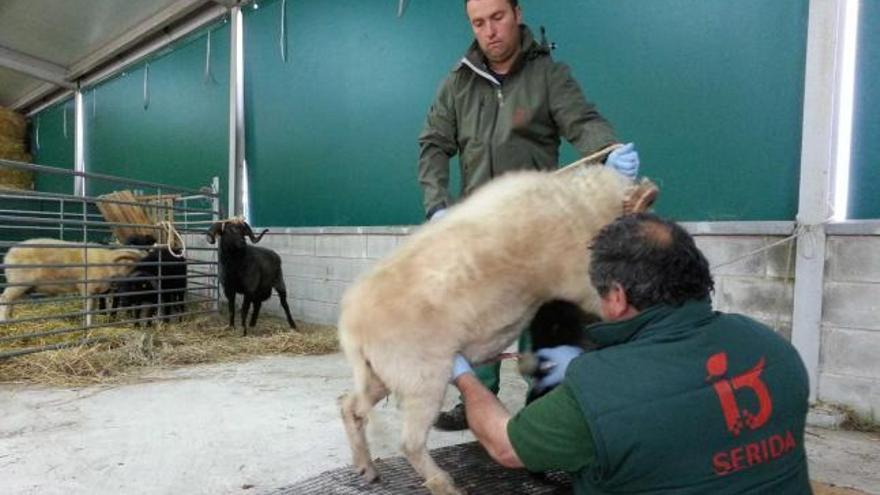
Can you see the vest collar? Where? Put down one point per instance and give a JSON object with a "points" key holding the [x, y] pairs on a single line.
{"points": [[655, 318]]}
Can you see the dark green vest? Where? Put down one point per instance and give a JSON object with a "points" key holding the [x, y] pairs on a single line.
{"points": [[689, 401]]}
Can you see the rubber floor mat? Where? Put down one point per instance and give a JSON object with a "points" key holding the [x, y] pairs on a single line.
{"points": [[468, 464]]}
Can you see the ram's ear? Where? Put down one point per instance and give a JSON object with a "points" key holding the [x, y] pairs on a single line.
{"points": [[215, 230]]}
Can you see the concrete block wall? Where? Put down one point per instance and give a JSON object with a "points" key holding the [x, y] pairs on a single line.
{"points": [[319, 263], [199, 250], [849, 363], [752, 276]]}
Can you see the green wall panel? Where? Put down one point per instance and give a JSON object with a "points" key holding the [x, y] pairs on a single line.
{"points": [[51, 145], [865, 165], [710, 90], [181, 138], [331, 133], [55, 146]]}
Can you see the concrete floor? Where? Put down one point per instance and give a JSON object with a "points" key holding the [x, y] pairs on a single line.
{"points": [[244, 428]]}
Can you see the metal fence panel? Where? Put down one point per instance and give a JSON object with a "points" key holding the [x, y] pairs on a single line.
{"points": [[81, 263]]}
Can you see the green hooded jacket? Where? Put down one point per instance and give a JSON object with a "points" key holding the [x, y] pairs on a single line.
{"points": [[498, 126]]}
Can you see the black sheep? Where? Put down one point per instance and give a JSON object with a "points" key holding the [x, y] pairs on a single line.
{"points": [[168, 275], [138, 292], [556, 323], [248, 270], [162, 273]]}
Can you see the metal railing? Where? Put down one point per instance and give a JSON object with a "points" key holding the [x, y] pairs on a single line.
{"points": [[76, 264]]}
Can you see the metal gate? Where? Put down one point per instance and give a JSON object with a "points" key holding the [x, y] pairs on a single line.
{"points": [[120, 253]]}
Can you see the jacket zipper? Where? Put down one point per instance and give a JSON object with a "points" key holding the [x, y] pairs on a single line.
{"points": [[500, 96]]}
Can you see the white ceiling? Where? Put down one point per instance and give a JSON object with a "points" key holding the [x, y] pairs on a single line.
{"points": [[13, 83], [65, 32]]}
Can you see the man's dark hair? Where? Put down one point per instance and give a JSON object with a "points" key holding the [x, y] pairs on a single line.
{"points": [[513, 3], [654, 260]]}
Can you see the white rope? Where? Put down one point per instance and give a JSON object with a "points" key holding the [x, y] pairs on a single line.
{"points": [[64, 112], [146, 85], [170, 232], [801, 230], [592, 158], [282, 38], [759, 250], [208, 77]]}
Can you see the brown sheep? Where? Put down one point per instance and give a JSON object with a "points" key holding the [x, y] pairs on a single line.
{"points": [[470, 283], [104, 264]]}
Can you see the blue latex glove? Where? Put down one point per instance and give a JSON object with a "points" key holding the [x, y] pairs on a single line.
{"points": [[625, 160], [460, 366], [437, 215], [557, 360]]}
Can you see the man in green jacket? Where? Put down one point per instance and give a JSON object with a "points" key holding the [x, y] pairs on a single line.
{"points": [[504, 107], [677, 399]]}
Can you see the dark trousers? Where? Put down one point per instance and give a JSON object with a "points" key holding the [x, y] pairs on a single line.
{"points": [[490, 374]]}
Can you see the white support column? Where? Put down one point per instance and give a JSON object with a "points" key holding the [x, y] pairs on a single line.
{"points": [[818, 150], [79, 153], [236, 111]]}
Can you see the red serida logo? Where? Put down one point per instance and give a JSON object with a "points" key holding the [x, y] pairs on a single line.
{"points": [[768, 449], [726, 389]]}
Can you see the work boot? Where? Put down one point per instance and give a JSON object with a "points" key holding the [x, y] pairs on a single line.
{"points": [[452, 420]]}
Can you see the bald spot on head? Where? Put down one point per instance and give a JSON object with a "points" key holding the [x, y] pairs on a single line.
{"points": [[656, 233]]}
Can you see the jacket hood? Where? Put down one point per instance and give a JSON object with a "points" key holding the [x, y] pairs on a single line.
{"points": [[529, 49]]}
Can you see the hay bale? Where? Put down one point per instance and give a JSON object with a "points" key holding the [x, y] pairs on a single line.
{"points": [[152, 204], [12, 125], [10, 148], [125, 213], [11, 178], [148, 215]]}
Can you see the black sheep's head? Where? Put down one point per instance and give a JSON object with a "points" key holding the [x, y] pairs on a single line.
{"points": [[556, 323], [233, 233], [140, 240]]}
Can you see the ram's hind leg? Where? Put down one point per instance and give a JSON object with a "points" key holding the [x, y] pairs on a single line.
{"points": [[355, 406], [282, 296], [420, 409], [10, 294]]}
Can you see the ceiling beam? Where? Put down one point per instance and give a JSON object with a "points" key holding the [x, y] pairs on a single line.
{"points": [[167, 26], [134, 36], [32, 97], [34, 67], [202, 18]]}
